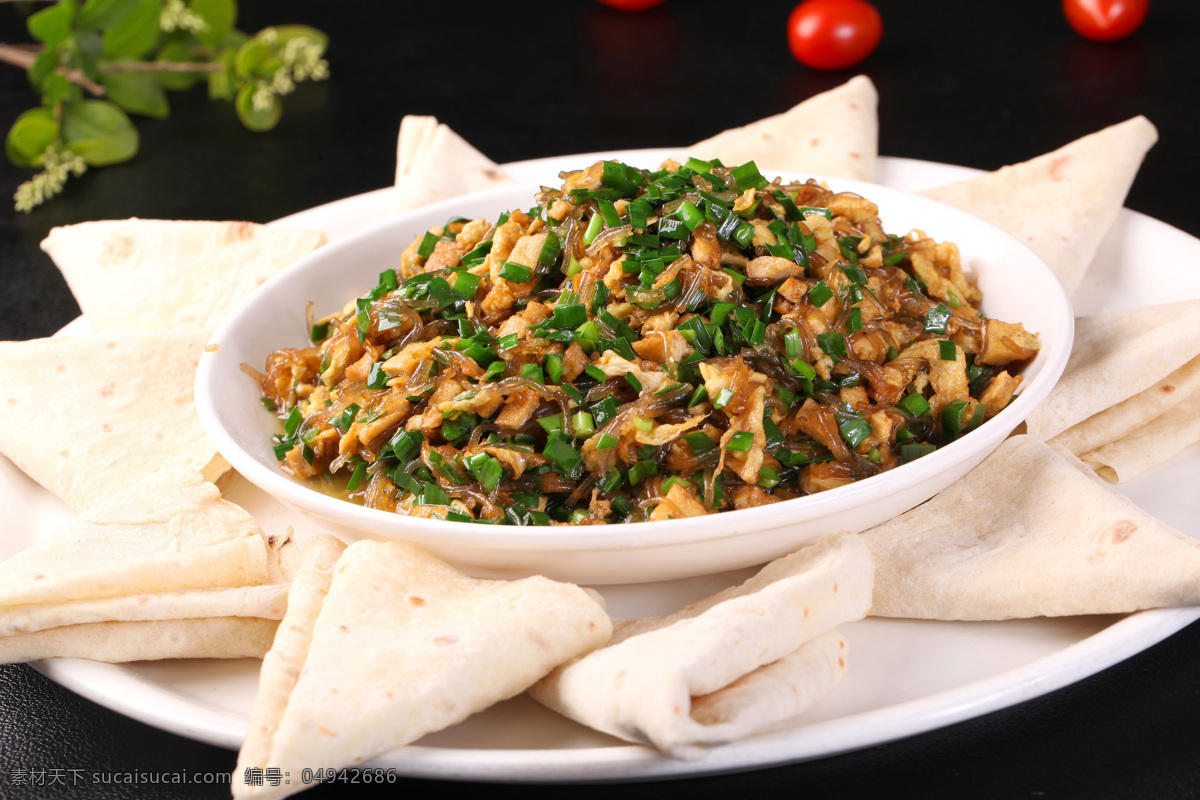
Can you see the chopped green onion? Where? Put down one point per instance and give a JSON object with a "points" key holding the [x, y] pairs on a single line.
{"points": [[552, 364], [465, 284], [699, 441], [948, 350]]}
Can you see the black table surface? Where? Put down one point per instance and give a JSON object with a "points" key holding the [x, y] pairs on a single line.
{"points": [[981, 84]]}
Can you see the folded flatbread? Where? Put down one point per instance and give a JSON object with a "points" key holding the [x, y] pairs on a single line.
{"points": [[383, 643], [136, 274], [835, 133], [1128, 398], [1062, 203], [163, 569], [727, 666], [86, 416], [1030, 532], [435, 163]]}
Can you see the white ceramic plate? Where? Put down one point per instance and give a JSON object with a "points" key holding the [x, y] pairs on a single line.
{"points": [[904, 677], [1016, 286]]}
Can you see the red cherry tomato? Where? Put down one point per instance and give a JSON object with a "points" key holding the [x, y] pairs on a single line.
{"points": [[1105, 20], [833, 34], [631, 5]]}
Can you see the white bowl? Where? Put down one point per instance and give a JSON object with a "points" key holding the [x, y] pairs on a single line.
{"points": [[1017, 287]]}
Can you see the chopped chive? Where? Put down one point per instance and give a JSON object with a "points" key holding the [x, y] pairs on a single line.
{"points": [[486, 469], [595, 225], [517, 273], [699, 441], [356, 477], [641, 471], [948, 350], [911, 452], [854, 323], [833, 344], [820, 294], [740, 442], [606, 441], [465, 284], [914, 404], [552, 364], [937, 317]]}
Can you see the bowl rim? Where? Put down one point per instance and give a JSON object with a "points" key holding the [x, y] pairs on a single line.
{"points": [[568, 537]]}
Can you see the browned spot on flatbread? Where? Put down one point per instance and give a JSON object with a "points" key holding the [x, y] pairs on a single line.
{"points": [[814, 142], [1122, 529], [111, 345], [1167, 389], [61, 368], [417, 601], [806, 612], [240, 231], [39, 577], [835, 587], [1056, 168], [118, 247], [841, 662], [212, 348], [447, 639], [326, 731], [104, 426]]}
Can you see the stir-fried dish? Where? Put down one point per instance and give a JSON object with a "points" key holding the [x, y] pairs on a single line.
{"points": [[644, 345]]}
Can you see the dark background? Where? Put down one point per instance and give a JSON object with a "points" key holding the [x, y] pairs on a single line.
{"points": [[980, 83]]}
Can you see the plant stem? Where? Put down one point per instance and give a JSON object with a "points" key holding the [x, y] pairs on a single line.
{"points": [[162, 66], [22, 56]]}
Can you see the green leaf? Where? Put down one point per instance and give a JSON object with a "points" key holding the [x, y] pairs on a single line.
{"points": [[29, 137], [137, 34], [99, 132], [137, 92], [253, 118], [220, 16], [250, 57], [88, 50], [53, 25], [106, 13], [45, 63], [57, 87], [177, 52]]}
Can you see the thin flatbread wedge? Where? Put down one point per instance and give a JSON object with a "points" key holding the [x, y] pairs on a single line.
{"points": [[170, 531], [435, 163], [835, 133], [1060, 204], [262, 602], [86, 416], [1148, 446], [391, 644], [1030, 532], [140, 274], [1116, 356], [120, 642], [728, 666]]}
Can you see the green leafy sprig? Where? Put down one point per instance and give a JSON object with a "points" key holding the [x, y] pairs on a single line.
{"points": [[100, 60]]}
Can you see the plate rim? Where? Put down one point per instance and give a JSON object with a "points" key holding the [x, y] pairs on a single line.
{"points": [[1128, 635]]}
